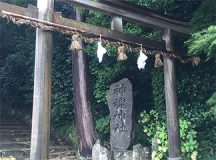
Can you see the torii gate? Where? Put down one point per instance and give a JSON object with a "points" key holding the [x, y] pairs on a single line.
{"points": [[45, 19]]}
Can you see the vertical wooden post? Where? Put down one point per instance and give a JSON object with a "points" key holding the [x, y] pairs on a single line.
{"points": [[42, 86], [116, 24], [83, 114], [174, 146]]}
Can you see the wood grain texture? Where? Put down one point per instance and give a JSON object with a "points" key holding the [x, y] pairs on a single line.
{"points": [[82, 103], [85, 29], [174, 146], [149, 19], [42, 86]]}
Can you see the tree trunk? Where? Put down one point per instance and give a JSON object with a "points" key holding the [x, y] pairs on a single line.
{"points": [[42, 86], [83, 114]]}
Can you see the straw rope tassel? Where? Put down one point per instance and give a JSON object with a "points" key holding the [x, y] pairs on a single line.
{"points": [[195, 61], [158, 61], [75, 43], [121, 53]]}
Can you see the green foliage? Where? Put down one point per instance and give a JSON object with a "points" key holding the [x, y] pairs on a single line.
{"points": [[17, 51], [207, 130], [23, 3], [7, 158], [194, 87], [97, 18], [204, 16], [206, 156], [62, 108], [212, 102], [155, 128], [67, 133], [132, 28], [203, 24], [158, 87], [180, 9], [203, 42], [102, 125], [103, 129]]}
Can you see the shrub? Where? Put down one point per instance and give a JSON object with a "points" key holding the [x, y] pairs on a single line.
{"points": [[67, 133], [103, 129], [154, 125]]}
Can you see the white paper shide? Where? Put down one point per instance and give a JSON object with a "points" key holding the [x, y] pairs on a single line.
{"points": [[141, 61], [100, 52]]}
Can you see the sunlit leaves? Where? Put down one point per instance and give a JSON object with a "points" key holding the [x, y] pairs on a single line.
{"points": [[203, 42]]}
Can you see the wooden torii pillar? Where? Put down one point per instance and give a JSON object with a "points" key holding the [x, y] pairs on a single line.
{"points": [[174, 145], [42, 86]]}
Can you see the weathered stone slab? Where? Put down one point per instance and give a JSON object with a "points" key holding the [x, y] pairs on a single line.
{"points": [[146, 154], [137, 152], [100, 153], [120, 104], [123, 155]]}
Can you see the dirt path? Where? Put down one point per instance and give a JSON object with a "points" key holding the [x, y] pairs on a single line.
{"points": [[15, 141]]}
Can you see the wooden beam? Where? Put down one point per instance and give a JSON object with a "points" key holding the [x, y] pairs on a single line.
{"points": [[84, 28], [108, 34], [149, 19], [174, 146], [30, 11], [40, 135]]}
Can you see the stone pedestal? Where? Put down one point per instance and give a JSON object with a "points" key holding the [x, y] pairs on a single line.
{"points": [[100, 153], [123, 155], [138, 153]]}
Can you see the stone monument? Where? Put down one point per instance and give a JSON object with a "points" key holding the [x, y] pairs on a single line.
{"points": [[120, 104]]}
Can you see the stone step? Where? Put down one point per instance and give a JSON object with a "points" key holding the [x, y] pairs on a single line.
{"points": [[15, 145], [22, 142], [24, 153], [19, 142], [64, 158], [64, 153], [9, 123], [23, 149], [15, 131], [52, 149], [14, 127], [17, 153], [24, 156], [15, 134], [8, 138], [14, 139]]}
